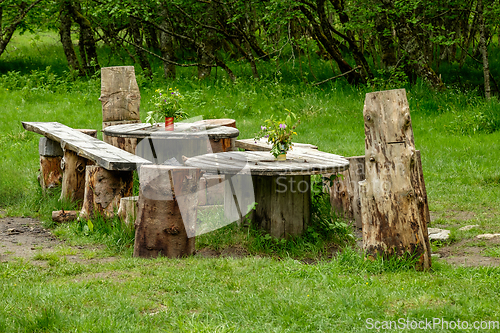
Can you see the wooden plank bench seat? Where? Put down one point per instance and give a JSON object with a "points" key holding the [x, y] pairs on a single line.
{"points": [[94, 172]]}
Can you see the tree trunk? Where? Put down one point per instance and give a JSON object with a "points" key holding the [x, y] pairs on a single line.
{"points": [[392, 202], [103, 191], [50, 163], [331, 46], [86, 43], [50, 171], [484, 50], [67, 43], [138, 40], [166, 218], [151, 37], [18, 14], [349, 37], [204, 59], [167, 45], [386, 41], [414, 48]]}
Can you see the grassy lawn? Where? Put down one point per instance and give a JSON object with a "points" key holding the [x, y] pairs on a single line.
{"points": [[244, 295], [272, 288]]}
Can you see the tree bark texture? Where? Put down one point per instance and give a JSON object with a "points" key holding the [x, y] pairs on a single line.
{"points": [[67, 43], [167, 45], [19, 12], [87, 42], [413, 48], [104, 189], [50, 171], [166, 214], [50, 163], [330, 44], [283, 204], [138, 40], [484, 50], [73, 181], [383, 28], [392, 196], [121, 99]]}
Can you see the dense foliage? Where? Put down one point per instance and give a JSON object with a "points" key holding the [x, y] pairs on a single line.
{"points": [[364, 40]]}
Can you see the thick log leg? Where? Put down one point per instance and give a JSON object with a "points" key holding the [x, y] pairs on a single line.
{"points": [[166, 217], [283, 204], [344, 194], [392, 204], [104, 189], [128, 209], [50, 163], [73, 181], [50, 171]]}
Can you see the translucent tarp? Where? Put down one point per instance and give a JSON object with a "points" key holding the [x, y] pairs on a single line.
{"points": [[214, 201]]}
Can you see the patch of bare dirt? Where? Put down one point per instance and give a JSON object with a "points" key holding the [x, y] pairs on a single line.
{"points": [[467, 253], [22, 237], [457, 215]]}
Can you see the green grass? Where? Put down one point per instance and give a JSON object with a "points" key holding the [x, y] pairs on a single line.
{"points": [[242, 295], [456, 131]]}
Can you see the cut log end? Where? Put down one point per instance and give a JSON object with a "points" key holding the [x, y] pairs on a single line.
{"points": [[61, 216]]}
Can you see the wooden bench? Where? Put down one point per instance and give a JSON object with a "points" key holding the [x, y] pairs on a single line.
{"points": [[94, 172]]}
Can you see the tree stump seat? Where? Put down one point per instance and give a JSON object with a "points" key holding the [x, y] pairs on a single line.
{"points": [[94, 172]]}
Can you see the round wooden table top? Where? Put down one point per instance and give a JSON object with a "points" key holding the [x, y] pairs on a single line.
{"points": [[213, 128], [298, 162]]}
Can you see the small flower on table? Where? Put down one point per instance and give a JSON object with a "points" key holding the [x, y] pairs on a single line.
{"points": [[279, 133]]}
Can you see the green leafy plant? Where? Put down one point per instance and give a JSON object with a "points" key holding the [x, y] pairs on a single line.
{"points": [[279, 133], [167, 104]]}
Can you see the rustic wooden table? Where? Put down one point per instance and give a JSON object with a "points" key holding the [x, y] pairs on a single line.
{"points": [[187, 139], [282, 189]]}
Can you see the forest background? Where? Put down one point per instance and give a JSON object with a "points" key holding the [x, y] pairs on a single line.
{"points": [[363, 40]]}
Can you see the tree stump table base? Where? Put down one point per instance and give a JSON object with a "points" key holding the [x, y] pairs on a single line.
{"points": [[167, 204]]}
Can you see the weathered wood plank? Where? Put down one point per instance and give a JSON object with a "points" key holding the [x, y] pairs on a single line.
{"points": [[283, 204], [392, 196], [120, 95], [104, 155], [181, 131], [344, 193], [263, 163]]}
